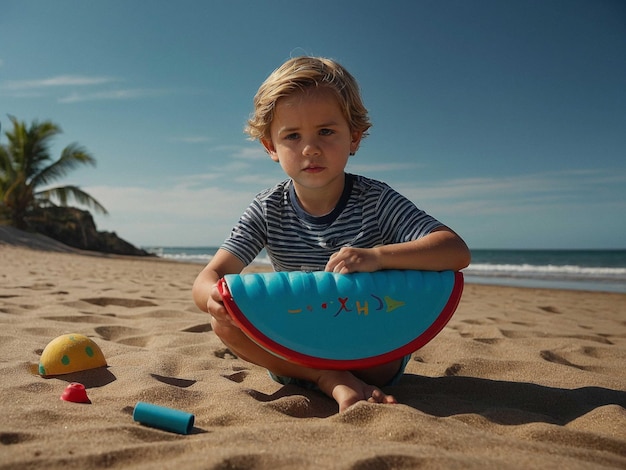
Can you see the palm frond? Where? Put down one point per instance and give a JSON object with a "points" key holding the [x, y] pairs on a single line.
{"points": [[63, 193], [30, 146], [72, 157]]}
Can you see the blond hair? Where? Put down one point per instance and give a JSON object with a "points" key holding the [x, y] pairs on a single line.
{"points": [[299, 74]]}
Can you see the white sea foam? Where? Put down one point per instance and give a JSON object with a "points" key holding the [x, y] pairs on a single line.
{"points": [[548, 271], [203, 258], [188, 258]]}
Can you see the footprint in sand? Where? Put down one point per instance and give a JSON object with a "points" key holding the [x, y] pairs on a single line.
{"points": [[119, 302], [224, 353], [398, 462], [37, 387], [237, 377], [597, 338], [12, 438], [203, 328], [473, 322], [518, 334], [454, 369], [123, 335], [550, 434], [175, 381], [598, 353], [489, 340], [79, 319], [41, 286], [549, 309], [292, 401], [115, 333], [551, 356], [296, 406], [259, 461]]}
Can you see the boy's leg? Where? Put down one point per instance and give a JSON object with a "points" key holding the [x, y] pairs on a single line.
{"points": [[343, 386]]}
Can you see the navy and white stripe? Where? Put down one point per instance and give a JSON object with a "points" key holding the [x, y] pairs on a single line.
{"points": [[369, 213]]}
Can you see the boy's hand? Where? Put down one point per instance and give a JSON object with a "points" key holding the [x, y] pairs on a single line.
{"points": [[216, 308], [352, 260]]}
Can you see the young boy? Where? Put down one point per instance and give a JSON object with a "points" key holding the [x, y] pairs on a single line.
{"points": [[309, 116]]}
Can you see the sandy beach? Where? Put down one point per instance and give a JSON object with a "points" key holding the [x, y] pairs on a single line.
{"points": [[520, 378]]}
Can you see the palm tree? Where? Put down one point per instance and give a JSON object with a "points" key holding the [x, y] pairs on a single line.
{"points": [[26, 167]]}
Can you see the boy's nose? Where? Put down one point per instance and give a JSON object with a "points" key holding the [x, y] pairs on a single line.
{"points": [[311, 148]]}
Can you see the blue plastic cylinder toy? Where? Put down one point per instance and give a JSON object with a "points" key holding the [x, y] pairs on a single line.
{"points": [[164, 418]]}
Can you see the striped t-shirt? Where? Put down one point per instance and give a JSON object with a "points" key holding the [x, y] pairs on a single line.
{"points": [[369, 213]]}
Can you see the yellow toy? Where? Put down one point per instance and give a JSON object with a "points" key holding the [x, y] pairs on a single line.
{"points": [[70, 353]]}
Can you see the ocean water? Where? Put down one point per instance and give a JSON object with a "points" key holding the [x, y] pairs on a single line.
{"points": [[596, 270]]}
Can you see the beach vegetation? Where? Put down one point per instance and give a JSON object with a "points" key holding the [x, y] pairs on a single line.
{"points": [[27, 170]]}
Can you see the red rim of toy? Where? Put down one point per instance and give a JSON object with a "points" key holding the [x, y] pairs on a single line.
{"points": [[342, 364]]}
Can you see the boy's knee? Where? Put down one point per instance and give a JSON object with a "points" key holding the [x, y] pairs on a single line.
{"points": [[224, 330], [218, 327]]}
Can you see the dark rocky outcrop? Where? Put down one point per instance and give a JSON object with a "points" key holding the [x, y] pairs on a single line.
{"points": [[76, 228]]}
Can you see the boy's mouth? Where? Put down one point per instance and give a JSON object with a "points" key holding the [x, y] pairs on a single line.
{"points": [[313, 169]]}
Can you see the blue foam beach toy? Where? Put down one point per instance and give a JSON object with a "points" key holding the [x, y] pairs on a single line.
{"points": [[342, 321], [164, 418]]}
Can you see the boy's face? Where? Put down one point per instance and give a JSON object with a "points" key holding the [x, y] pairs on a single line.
{"points": [[311, 139]]}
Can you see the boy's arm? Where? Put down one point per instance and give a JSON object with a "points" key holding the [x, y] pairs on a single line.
{"points": [[440, 250], [204, 291]]}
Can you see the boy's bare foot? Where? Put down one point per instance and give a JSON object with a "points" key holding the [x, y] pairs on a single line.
{"points": [[347, 389]]}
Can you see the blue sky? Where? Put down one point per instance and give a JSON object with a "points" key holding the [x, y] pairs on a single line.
{"points": [[506, 120]]}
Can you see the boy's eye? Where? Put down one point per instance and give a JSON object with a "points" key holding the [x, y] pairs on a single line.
{"points": [[326, 132], [292, 136]]}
